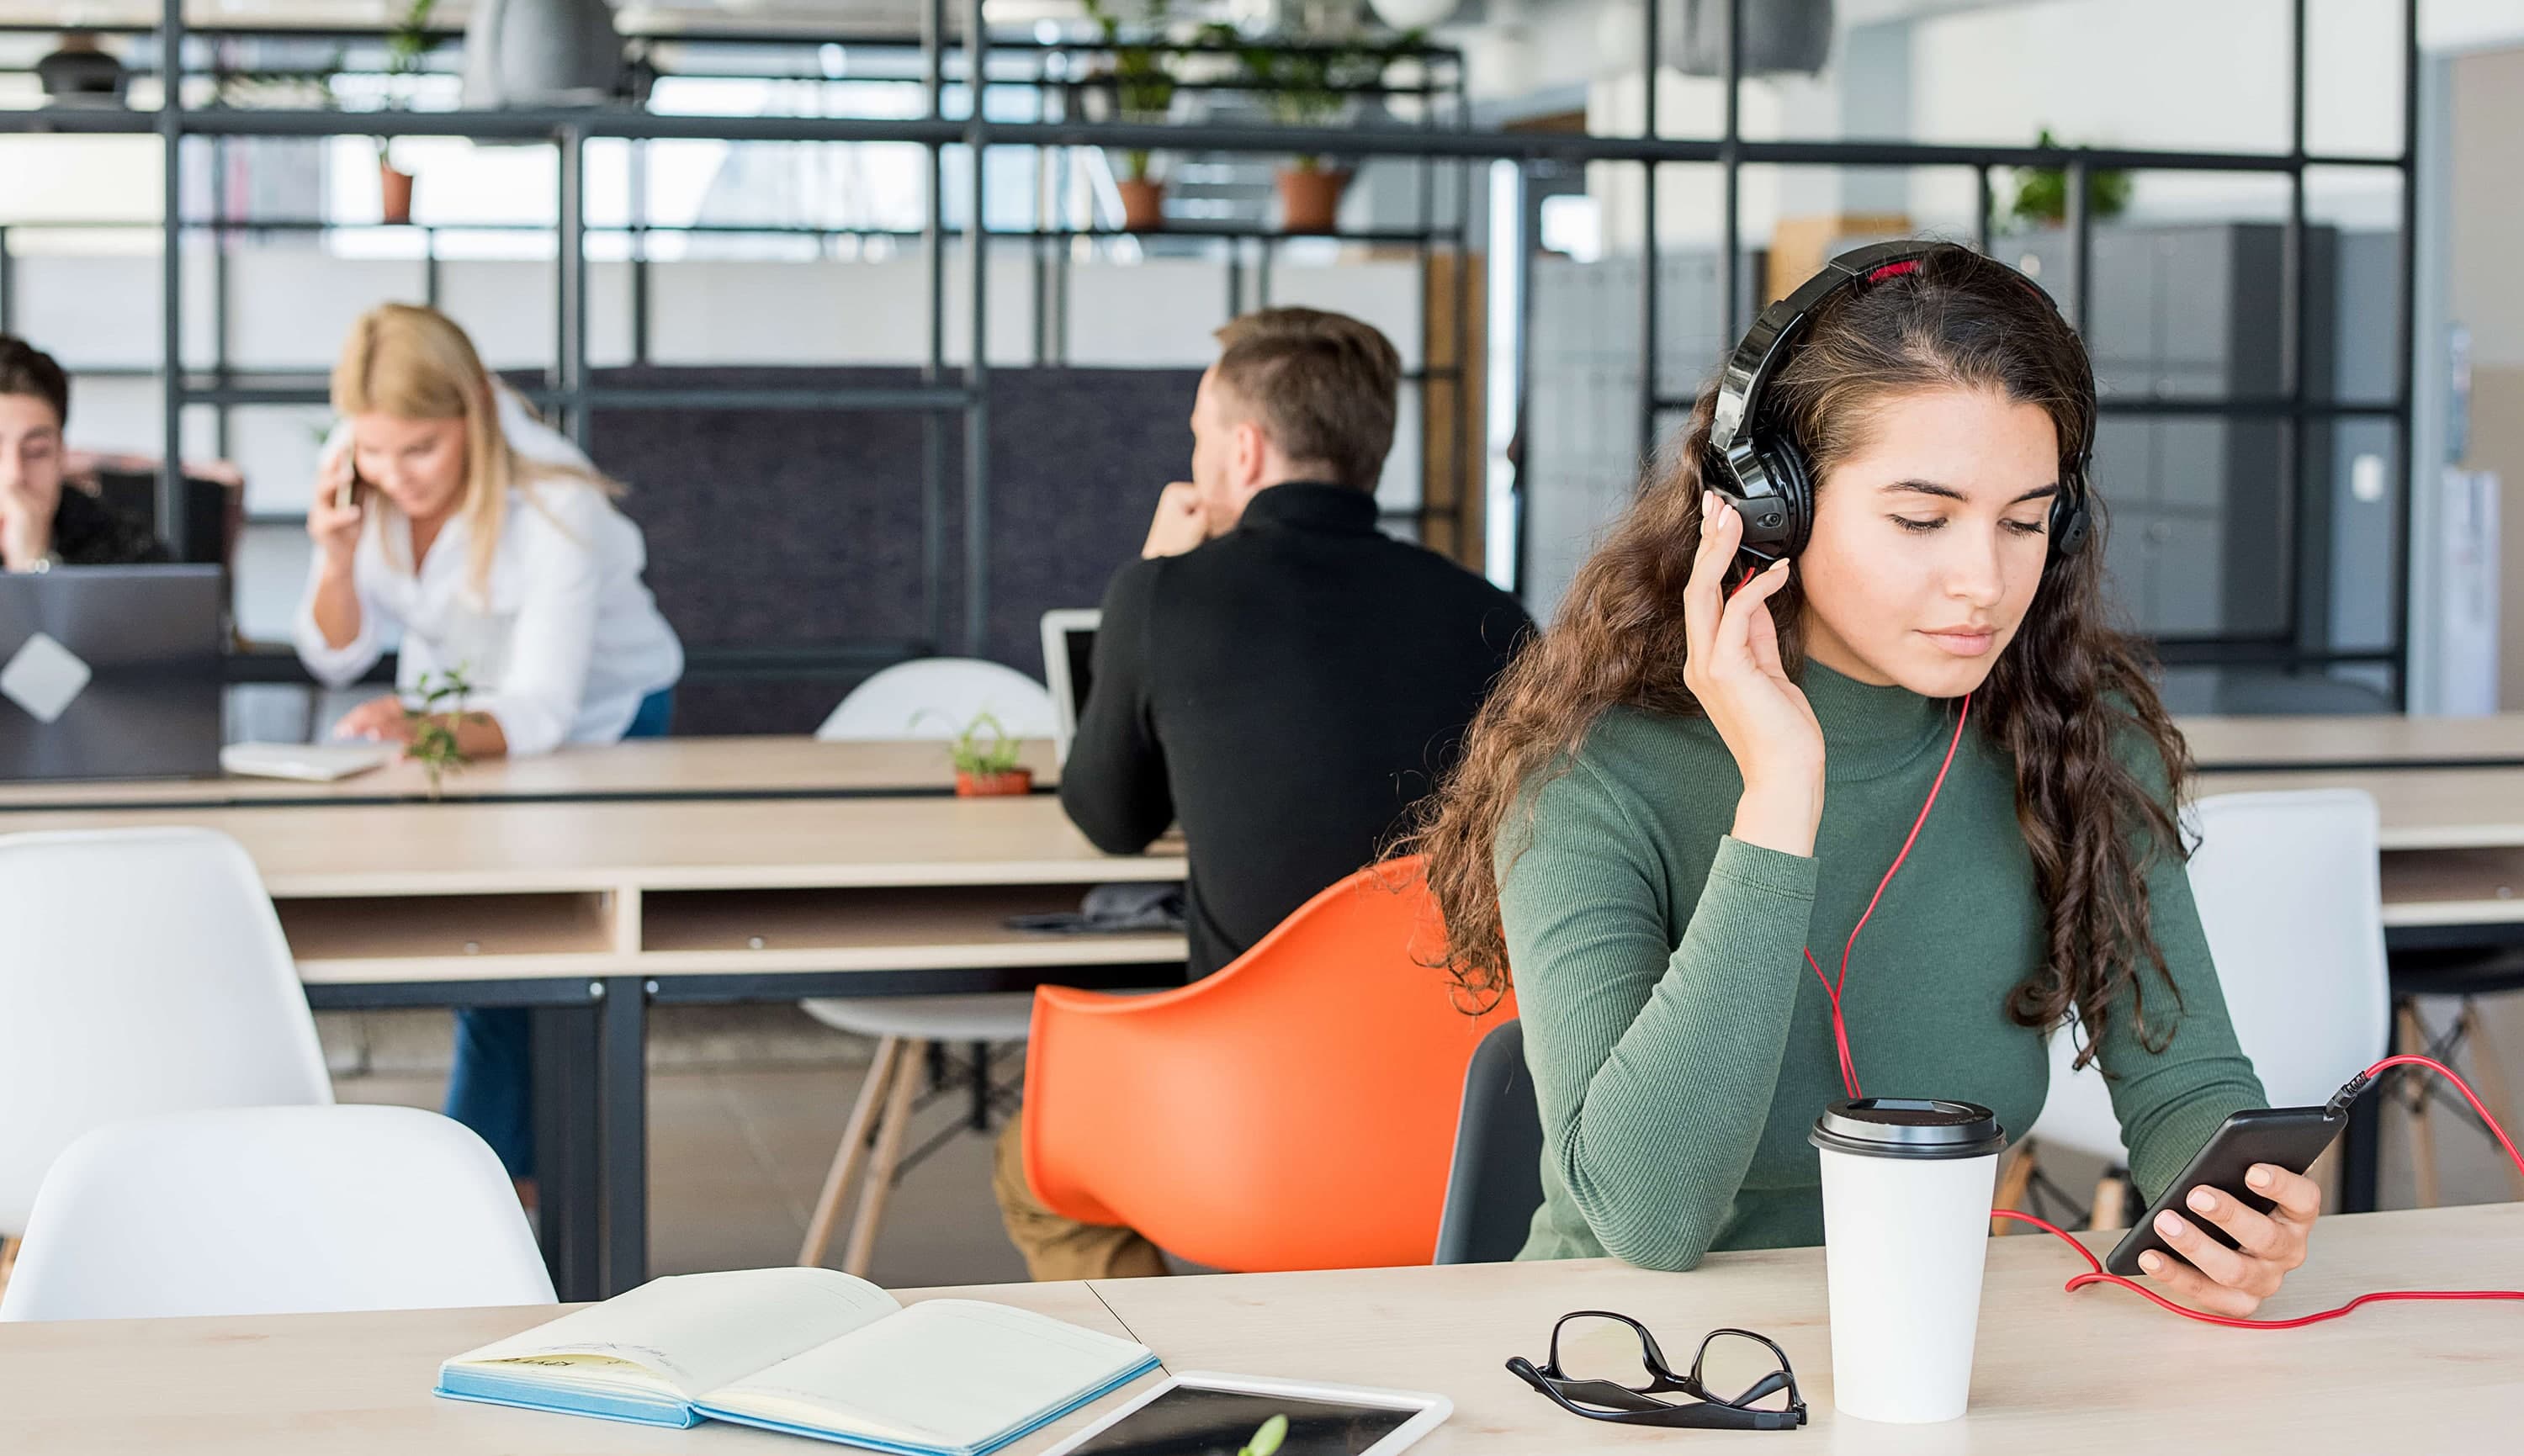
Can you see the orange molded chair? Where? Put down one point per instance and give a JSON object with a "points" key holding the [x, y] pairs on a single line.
{"points": [[1296, 1110]]}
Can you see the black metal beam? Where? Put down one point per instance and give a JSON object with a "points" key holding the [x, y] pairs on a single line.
{"points": [[170, 296]]}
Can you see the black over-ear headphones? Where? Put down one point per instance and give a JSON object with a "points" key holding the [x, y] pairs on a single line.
{"points": [[1765, 472]]}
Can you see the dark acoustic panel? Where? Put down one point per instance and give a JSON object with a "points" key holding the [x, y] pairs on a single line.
{"points": [[782, 529]]}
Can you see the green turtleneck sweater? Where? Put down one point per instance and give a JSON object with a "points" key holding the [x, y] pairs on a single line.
{"points": [[1681, 1048]]}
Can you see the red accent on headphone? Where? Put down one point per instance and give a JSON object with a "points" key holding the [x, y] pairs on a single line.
{"points": [[1893, 270]]}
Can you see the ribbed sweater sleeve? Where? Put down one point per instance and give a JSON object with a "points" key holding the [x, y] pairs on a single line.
{"points": [[1654, 1058], [2170, 1099]]}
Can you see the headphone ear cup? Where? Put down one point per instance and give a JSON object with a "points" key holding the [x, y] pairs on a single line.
{"points": [[1796, 493], [2069, 523]]}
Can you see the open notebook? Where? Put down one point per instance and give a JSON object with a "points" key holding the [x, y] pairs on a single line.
{"points": [[808, 1351]]}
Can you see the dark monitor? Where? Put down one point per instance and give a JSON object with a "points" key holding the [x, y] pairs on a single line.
{"points": [[111, 673]]}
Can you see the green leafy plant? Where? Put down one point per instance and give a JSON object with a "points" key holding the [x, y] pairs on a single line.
{"points": [[985, 747], [1267, 1439], [435, 745], [1143, 79], [408, 43], [2042, 192], [1310, 86]]}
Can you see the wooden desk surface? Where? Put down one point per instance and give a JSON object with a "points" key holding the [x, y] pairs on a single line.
{"points": [[2378, 739], [345, 1383], [510, 849], [2095, 1372], [644, 769], [2099, 1370]]}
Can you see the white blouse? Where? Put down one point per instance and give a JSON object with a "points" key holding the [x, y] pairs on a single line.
{"points": [[568, 640]]}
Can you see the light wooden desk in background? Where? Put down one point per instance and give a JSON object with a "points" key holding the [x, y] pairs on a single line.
{"points": [[594, 882], [2097, 1372], [588, 886]]}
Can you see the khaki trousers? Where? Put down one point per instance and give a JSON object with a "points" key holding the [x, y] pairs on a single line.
{"points": [[1056, 1247]]}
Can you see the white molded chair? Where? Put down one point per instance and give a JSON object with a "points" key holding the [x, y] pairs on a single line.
{"points": [[934, 698], [144, 973], [2291, 899], [275, 1210]]}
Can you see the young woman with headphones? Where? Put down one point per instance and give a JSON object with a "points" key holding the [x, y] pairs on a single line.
{"points": [[1905, 714]]}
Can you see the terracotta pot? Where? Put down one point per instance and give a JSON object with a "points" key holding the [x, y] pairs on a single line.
{"points": [[396, 189], [1143, 204], [1310, 198], [993, 785]]}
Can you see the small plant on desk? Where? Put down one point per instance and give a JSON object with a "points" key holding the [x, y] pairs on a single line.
{"points": [[434, 744], [986, 756], [1267, 1439]]}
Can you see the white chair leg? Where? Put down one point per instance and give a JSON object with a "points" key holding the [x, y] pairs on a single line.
{"points": [[2423, 1141], [2112, 1200], [854, 1148], [2489, 1074], [879, 1184], [2013, 1183]]}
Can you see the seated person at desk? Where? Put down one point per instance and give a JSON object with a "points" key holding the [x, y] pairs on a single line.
{"points": [[42, 523], [1678, 789], [444, 508], [1276, 672]]}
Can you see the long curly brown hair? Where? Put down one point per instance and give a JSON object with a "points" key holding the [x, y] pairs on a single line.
{"points": [[2063, 693]]}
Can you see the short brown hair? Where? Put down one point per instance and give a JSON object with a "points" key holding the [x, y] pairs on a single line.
{"points": [[1323, 385], [29, 371]]}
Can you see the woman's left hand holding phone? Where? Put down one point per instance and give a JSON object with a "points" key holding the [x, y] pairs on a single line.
{"points": [[2233, 1282]]}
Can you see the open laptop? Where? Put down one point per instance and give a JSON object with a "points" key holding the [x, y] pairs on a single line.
{"points": [[111, 673], [1068, 665]]}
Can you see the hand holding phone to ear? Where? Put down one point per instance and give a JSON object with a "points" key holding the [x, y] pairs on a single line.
{"points": [[334, 515], [1733, 668]]}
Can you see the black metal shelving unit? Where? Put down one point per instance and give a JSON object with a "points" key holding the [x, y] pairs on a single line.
{"points": [[1433, 144], [1050, 68]]}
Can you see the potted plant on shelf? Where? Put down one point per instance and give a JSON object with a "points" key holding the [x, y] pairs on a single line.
{"points": [[1141, 83], [406, 44], [986, 756], [2042, 192], [1312, 87]]}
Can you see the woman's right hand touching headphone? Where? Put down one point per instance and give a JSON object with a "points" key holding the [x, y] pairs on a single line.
{"points": [[1733, 669]]}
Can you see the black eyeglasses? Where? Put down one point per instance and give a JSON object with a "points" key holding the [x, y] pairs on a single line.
{"points": [[1608, 1367]]}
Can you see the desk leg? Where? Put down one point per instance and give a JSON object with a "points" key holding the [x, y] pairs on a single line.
{"points": [[566, 1135], [622, 1078], [2361, 1152]]}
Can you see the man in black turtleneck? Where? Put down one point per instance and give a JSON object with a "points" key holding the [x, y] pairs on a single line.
{"points": [[1275, 674]]}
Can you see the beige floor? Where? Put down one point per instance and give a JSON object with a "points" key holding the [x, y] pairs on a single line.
{"points": [[745, 1104], [743, 1116]]}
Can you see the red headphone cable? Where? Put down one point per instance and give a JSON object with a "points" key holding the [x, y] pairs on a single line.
{"points": [[1834, 988], [2095, 1274]]}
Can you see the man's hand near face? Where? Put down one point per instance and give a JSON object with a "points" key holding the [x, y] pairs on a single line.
{"points": [[1180, 524]]}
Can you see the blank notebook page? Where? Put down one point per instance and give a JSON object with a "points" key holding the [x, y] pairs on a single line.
{"points": [[947, 1372], [700, 1330]]}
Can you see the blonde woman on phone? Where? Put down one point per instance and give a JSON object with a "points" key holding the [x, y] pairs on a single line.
{"points": [[445, 512]]}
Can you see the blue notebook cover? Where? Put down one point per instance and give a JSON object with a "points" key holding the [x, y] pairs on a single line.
{"points": [[496, 1390]]}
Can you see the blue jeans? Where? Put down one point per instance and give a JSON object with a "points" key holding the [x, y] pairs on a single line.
{"points": [[492, 1087]]}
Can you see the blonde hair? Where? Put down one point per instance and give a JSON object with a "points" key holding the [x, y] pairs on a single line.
{"points": [[415, 363]]}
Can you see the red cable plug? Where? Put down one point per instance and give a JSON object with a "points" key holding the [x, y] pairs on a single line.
{"points": [[2097, 1275]]}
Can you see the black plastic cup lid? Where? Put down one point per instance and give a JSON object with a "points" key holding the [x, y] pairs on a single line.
{"points": [[1909, 1128]]}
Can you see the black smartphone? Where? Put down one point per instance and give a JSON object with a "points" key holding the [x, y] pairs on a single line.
{"points": [[2289, 1138]]}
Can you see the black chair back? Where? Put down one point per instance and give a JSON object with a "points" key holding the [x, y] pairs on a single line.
{"points": [[1496, 1183]]}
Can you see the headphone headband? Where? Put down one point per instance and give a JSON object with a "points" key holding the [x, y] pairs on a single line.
{"points": [[1768, 477]]}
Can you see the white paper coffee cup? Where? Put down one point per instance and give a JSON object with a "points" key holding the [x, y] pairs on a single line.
{"points": [[1906, 1184]]}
